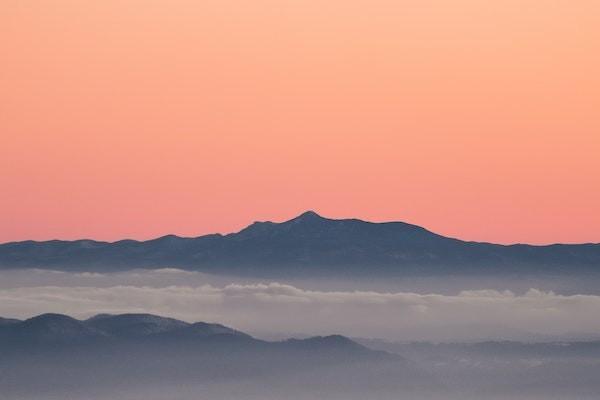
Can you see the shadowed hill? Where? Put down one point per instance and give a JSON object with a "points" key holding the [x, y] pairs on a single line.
{"points": [[54, 354], [64, 330]]}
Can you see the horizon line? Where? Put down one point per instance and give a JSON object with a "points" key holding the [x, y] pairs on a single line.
{"points": [[307, 213]]}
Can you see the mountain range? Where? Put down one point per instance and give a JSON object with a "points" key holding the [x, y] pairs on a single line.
{"points": [[308, 245], [55, 356], [148, 357], [60, 329]]}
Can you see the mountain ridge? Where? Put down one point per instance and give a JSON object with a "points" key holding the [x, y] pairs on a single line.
{"points": [[60, 329], [41, 357], [308, 244]]}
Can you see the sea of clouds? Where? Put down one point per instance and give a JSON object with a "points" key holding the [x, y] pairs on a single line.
{"points": [[272, 309]]}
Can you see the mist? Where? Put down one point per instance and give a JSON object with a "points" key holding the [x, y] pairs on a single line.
{"points": [[270, 309]]}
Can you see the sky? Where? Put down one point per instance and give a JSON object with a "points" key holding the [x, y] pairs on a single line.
{"points": [[131, 118]]}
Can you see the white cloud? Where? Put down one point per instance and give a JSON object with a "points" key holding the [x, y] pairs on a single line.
{"points": [[274, 307], [173, 271]]}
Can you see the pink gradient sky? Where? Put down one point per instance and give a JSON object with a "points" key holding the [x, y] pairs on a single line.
{"points": [[130, 118]]}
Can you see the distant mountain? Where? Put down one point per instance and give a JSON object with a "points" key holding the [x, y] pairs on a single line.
{"points": [[308, 245], [142, 356], [54, 356], [62, 329], [507, 370], [49, 328], [489, 351]]}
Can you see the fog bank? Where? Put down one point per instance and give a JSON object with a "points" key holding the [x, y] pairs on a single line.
{"points": [[268, 309]]}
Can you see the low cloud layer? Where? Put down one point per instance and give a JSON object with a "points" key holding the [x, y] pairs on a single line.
{"points": [[282, 309]]}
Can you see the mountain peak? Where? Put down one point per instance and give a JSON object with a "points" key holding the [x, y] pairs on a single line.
{"points": [[55, 327], [308, 245], [50, 318], [308, 216]]}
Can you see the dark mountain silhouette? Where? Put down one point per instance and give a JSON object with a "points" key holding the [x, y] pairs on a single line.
{"points": [[133, 325], [61, 329], [308, 245], [142, 356], [49, 328], [54, 354]]}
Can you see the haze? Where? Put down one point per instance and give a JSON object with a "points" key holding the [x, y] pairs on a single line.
{"points": [[278, 310]]}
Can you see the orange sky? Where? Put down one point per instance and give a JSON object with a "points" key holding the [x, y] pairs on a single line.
{"points": [[137, 118]]}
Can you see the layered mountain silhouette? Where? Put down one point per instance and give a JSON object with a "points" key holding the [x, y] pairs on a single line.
{"points": [[143, 356], [55, 356], [46, 329], [307, 245], [146, 333]]}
